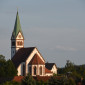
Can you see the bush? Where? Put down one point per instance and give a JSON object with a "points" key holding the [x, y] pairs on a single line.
{"points": [[28, 80], [10, 83]]}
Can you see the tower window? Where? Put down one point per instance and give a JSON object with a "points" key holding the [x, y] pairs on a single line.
{"points": [[13, 43], [19, 43]]}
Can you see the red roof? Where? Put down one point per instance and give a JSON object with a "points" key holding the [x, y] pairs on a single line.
{"points": [[47, 71], [18, 78], [37, 78], [42, 78], [36, 60]]}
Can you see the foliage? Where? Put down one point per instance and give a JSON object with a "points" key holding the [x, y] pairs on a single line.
{"points": [[10, 83], [57, 81], [7, 68], [75, 72], [41, 83], [61, 81], [2, 58], [28, 80], [71, 81]]}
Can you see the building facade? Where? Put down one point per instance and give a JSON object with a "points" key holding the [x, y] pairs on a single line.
{"points": [[29, 59]]}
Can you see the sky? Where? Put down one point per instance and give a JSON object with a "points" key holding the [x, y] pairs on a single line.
{"points": [[55, 27]]}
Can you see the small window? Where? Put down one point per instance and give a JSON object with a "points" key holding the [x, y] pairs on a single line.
{"points": [[19, 43], [13, 43], [13, 51]]}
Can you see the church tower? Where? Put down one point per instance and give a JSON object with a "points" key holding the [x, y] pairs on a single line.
{"points": [[17, 38]]}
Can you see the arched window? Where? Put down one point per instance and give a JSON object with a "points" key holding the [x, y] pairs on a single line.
{"points": [[35, 70], [40, 70]]}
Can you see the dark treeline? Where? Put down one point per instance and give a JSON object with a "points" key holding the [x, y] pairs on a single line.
{"points": [[71, 74]]}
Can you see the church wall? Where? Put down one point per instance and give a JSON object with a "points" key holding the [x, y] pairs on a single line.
{"points": [[38, 70], [49, 74], [35, 51], [54, 69], [19, 70]]}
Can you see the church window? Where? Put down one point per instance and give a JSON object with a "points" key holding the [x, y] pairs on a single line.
{"points": [[35, 70], [13, 43], [40, 70], [19, 43]]}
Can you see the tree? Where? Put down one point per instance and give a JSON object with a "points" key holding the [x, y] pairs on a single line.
{"points": [[69, 67], [7, 68], [2, 57], [10, 83], [58, 81], [28, 80], [10, 69], [71, 81]]}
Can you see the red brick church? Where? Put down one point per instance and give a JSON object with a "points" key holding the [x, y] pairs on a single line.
{"points": [[29, 59]]}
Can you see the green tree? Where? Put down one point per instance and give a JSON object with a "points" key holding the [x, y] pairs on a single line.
{"points": [[28, 80], [69, 67], [7, 68], [10, 69], [58, 81], [71, 81], [10, 83], [2, 57]]}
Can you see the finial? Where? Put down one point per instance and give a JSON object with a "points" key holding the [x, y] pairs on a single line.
{"points": [[17, 10]]}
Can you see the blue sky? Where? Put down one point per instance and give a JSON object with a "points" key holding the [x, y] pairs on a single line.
{"points": [[55, 27]]}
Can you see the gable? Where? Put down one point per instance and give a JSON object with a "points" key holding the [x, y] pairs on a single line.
{"points": [[54, 67], [36, 60], [25, 55], [19, 36], [50, 65], [35, 51]]}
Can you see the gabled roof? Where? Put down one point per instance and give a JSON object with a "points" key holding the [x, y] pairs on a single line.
{"points": [[17, 27], [36, 60], [49, 65], [21, 55]]}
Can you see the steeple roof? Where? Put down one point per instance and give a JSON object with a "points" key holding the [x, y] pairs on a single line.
{"points": [[17, 27]]}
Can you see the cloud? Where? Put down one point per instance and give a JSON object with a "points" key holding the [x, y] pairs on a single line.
{"points": [[59, 47]]}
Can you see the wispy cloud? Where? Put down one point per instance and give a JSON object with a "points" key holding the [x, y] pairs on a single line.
{"points": [[65, 48]]}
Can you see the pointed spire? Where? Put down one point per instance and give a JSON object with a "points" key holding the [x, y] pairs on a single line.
{"points": [[17, 27]]}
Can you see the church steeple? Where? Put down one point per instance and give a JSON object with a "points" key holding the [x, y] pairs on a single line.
{"points": [[17, 27], [17, 38]]}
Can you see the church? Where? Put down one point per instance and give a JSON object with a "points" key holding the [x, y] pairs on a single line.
{"points": [[29, 59]]}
